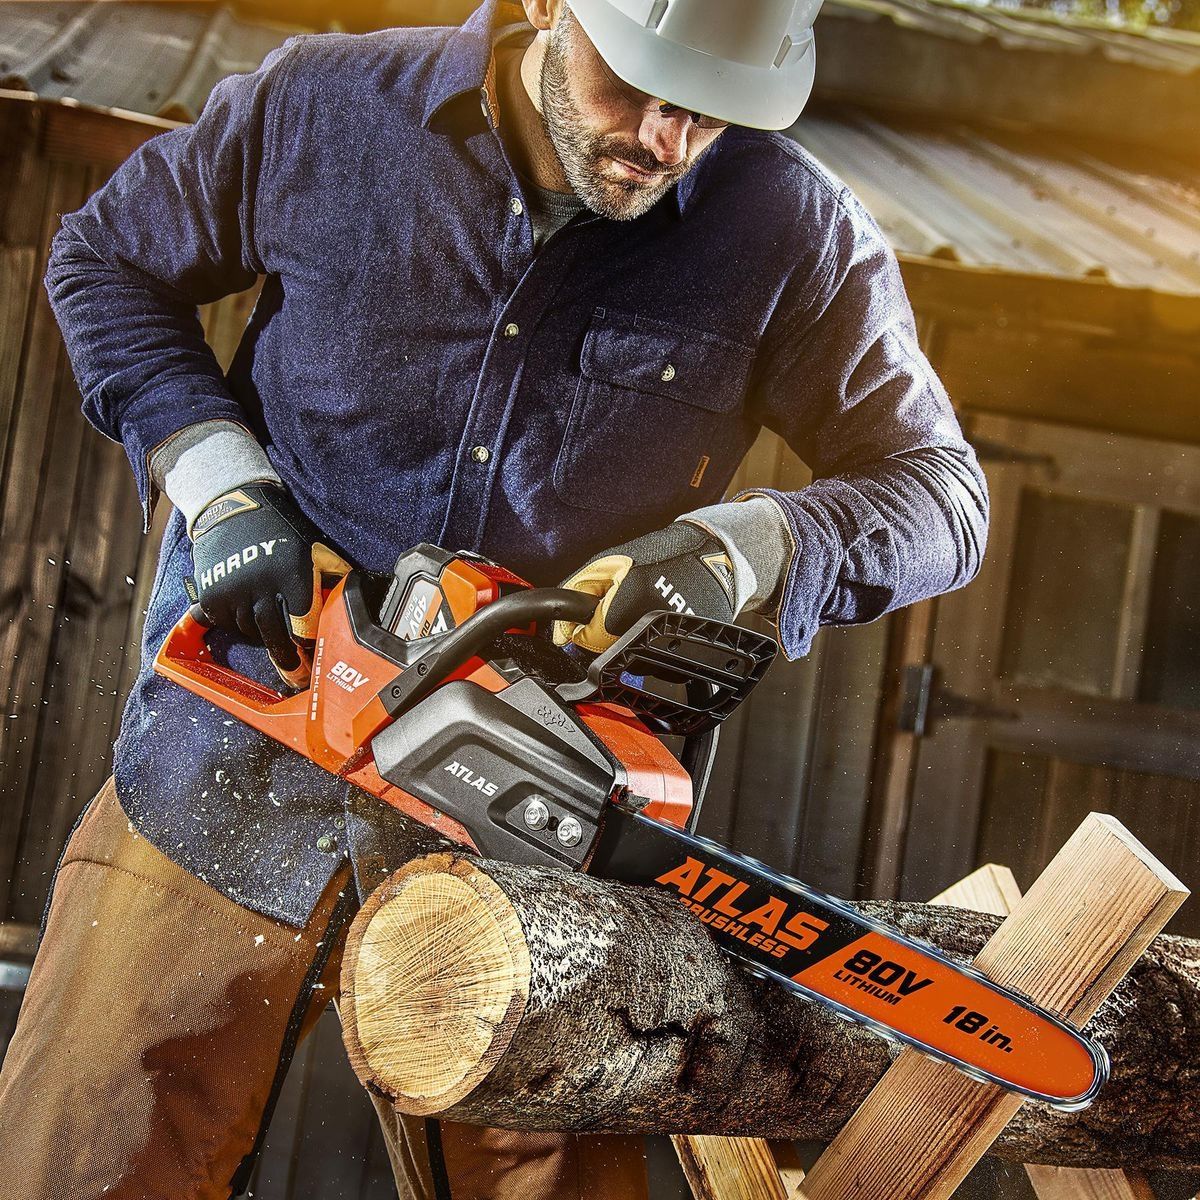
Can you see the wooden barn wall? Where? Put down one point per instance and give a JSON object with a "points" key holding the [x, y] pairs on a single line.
{"points": [[1105, 422], [77, 570]]}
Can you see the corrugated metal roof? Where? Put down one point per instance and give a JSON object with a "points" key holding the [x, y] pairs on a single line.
{"points": [[1013, 28], [942, 190], [1022, 204], [988, 67], [161, 59]]}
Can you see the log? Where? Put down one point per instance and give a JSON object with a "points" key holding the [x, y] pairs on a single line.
{"points": [[531, 998]]}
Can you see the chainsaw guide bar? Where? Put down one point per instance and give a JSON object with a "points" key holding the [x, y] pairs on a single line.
{"points": [[869, 973]]}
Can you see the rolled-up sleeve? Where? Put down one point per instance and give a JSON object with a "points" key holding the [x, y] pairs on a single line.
{"points": [[898, 507], [175, 227]]}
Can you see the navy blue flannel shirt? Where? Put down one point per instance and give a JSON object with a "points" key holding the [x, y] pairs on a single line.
{"points": [[405, 321]]}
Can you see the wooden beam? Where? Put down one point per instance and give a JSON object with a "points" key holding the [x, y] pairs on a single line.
{"points": [[727, 1168], [957, 294], [791, 1170], [1082, 1183], [1067, 944], [719, 1168], [990, 889], [895, 756], [993, 889]]}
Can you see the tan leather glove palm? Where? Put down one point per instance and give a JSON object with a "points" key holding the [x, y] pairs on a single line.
{"points": [[682, 568]]}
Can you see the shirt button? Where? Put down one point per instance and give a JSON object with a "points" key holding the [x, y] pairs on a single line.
{"points": [[668, 373], [511, 330], [480, 453], [516, 207], [325, 843]]}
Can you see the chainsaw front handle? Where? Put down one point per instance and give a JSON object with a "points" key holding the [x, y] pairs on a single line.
{"points": [[449, 651]]}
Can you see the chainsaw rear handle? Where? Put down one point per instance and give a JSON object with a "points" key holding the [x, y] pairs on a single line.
{"points": [[297, 677], [185, 657]]}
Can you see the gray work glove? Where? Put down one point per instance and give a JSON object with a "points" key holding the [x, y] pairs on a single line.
{"points": [[258, 572]]}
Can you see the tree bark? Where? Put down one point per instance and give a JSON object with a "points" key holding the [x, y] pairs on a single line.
{"points": [[537, 999]]}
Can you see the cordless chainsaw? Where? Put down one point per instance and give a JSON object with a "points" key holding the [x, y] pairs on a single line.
{"points": [[437, 691]]}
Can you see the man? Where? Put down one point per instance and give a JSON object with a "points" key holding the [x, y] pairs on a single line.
{"points": [[531, 287]]}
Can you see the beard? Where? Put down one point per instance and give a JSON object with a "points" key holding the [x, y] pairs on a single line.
{"points": [[584, 154]]}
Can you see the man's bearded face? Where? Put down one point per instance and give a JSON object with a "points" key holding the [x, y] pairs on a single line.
{"points": [[619, 152]]}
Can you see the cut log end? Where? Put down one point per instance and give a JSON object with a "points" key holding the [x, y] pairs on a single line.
{"points": [[436, 977]]}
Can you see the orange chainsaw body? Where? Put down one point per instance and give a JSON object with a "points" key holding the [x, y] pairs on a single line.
{"points": [[332, 721]]}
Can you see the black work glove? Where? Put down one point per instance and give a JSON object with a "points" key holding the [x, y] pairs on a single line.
{"points": [[258, 571], [681, 568]]}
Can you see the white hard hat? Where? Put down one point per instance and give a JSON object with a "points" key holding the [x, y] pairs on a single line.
{"points": [[749, 62]]}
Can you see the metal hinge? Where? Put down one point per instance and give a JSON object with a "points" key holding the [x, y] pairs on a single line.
{"points": [[924, 701]]}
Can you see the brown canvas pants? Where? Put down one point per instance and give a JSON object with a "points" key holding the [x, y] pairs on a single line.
{"points": [[151, 1032]]}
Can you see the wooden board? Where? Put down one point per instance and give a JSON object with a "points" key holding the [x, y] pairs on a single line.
{"points": [[726, 1168], [993, 889], [1067, 1183]]}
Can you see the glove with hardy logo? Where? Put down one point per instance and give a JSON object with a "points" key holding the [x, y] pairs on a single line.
{"points": [[681, 568], [258, 571]]}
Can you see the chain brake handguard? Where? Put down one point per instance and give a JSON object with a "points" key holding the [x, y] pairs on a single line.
{"points": [[715, 664]]}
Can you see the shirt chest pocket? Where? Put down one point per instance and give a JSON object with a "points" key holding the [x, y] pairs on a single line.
{"points": [[655, 423]]}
